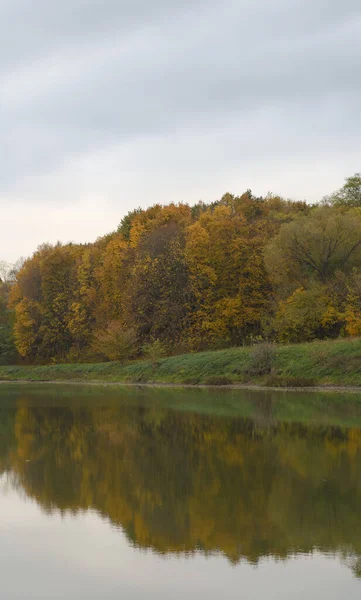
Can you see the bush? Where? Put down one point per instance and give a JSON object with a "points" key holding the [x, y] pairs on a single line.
{"points": [[154, 351], [115, 342], [218, 380], [262, 359], [287, 382]]}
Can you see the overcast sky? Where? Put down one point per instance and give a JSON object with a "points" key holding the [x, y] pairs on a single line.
{"points": [[107, 105]]}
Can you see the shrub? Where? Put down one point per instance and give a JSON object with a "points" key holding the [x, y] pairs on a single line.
{"points": [[154, 351], [262, 359], [115, 342], [218, 380]]}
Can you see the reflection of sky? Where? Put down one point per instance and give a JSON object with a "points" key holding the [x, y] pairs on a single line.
{"points": [[74, 558]]}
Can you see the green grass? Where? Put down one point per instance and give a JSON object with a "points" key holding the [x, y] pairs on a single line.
{"points": [[322, 363]]}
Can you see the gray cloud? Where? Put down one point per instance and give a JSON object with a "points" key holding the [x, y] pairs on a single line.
{"points": [[264, 83], [33, 29]]}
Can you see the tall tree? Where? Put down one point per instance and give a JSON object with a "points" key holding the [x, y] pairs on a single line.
{"points": [[158, 297], [349, 196], [8, 353], [315, 247]]}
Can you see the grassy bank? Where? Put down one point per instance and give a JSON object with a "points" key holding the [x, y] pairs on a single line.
{"points": [[318, 363]]}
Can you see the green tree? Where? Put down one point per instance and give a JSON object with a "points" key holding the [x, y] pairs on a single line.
{"points": [[116, 343], [315, 247], [154, 351], [349, 195], [307, 314]]}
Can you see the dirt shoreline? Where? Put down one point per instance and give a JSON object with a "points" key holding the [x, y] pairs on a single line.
{"points": [[341, 389]]}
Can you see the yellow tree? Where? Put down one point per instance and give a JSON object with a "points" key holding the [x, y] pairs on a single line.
{"points": [[225, 256]]}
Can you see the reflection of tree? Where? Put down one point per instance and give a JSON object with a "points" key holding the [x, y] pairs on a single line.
{"points": [[179, 482], [7, 438]]}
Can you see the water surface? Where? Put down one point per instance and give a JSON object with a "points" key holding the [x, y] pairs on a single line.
{"points": [[110, 493]]}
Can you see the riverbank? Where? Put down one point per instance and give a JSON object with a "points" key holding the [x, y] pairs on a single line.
{"points": [[247, 387], [327, 364]]}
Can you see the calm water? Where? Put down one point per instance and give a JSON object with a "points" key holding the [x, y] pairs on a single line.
{"points": [[155, 494]]}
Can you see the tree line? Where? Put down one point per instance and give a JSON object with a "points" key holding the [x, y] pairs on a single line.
{"points": [[182, 278]]}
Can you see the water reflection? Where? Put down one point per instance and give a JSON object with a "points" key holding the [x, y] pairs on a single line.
{"points": [[186, 481]]}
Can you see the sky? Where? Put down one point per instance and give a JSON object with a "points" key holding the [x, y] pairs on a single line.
{"points": [[108, 105]]}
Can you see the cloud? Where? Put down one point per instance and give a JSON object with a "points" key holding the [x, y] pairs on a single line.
{"points": [[135, 102]]}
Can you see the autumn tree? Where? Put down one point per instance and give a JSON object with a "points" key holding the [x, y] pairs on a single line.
{"points": [[8, 353], [25, 300], [41, 299], [353, 304], [112, 276], [309, 263], [225, 256], [211, 276], [307, 314], [115, 342], [158, 297]]}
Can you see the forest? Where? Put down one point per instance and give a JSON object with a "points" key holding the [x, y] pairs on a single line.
{"points": [[177, 278]]}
